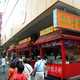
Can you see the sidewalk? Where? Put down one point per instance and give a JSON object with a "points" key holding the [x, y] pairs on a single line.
{"points": [[3, 75]]}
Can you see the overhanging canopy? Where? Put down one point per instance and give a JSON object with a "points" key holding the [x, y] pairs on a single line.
{"points": [[11, 50], [40, 22], [48, 38], [22, 46]]}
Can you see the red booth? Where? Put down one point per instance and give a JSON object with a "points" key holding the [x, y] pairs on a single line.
{"points": [[63, 53], [62, 45]]}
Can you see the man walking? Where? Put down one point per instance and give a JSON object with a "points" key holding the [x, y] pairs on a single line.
{"points": [[3, 64], [39, 67]]}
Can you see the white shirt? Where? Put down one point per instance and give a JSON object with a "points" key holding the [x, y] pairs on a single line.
{"points": [[27, 70], [3, 61], [40, 66]]}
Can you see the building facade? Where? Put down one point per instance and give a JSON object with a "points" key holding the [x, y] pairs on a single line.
{"points": [[19, 13], [0, 26], [49, 28]]}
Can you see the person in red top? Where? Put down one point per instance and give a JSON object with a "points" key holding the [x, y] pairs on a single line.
{"points": [[19, 75], [11, 71]]}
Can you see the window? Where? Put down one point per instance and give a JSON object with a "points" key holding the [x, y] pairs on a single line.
{"points": [[72, 51], [53, 54]]}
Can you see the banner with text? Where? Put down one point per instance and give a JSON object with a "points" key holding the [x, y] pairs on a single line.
{"points": [[66, 20]]}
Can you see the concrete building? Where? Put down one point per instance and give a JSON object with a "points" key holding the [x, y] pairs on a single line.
{"points": [[0, 26], [18, 14]]}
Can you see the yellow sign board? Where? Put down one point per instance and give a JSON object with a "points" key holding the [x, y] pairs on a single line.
{"points": [[12, 46], [47, 30], [25, 40]]}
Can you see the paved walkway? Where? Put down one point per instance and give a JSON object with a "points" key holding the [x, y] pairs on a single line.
{"points": [[3, 75]]}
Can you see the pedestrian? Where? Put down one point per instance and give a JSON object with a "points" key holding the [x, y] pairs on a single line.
{"points": [[44, 60], [39, 67], [3, 64], [15, 60], [20, 58], [27, 68], [19, 75], [11, 71]]}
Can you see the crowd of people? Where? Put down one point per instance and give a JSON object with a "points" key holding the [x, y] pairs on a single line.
{"points": [[22, 70]]}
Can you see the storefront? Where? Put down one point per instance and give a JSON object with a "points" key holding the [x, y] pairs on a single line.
{"points": [[62, 45], [11, 51], [23, 48]]}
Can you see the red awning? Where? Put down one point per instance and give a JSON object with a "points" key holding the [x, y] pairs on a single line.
{"points": [[11, 49], [48, 38], [22, 46], [71, 37]]}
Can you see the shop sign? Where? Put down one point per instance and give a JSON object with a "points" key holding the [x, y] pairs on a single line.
{"points": [[66, 20], [12, 46], [55, 68], [25, 40], [51, 44], [47, 31]]}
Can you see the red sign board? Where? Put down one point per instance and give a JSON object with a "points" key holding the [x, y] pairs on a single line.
{"points": [[55, 70]]}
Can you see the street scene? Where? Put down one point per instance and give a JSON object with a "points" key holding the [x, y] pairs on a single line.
{"points": [[39, 39]]}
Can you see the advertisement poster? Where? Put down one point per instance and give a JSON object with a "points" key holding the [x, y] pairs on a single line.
{"points": [[66, 20]]}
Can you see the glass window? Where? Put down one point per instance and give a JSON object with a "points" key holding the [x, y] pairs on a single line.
{"points": [[72, 51], [53, 54]]}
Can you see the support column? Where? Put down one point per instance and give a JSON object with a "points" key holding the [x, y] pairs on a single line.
{"points": [[42, 52], [63, 52]]}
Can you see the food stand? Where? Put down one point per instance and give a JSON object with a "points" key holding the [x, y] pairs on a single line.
{"points": [[61, 45]]}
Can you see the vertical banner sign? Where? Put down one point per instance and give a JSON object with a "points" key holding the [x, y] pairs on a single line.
{"points": [[55, 23]]}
